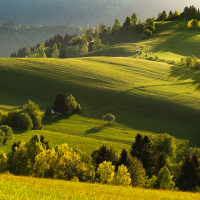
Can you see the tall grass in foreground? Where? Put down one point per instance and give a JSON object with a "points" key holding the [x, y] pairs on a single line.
{"points": [[18, 187]]}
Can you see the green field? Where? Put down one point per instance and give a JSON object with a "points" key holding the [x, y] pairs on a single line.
{"points": [[13, 187], [146, 97]]}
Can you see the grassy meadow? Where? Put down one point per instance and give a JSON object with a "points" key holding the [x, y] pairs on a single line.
{"points": [[19, 187], [146, 97]]}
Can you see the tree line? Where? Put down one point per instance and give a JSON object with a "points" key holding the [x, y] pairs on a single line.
{"points": [[143, 166]]}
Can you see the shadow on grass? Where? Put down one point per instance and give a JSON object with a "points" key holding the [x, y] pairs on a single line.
{"points": [[99, 128], [53, 119], [184, 73]]}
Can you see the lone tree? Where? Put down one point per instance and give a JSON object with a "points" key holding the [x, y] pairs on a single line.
{"points": [[65, 104], [109, 117]]}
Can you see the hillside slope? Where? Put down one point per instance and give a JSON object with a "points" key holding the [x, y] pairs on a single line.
{"points": [[145, 96]]}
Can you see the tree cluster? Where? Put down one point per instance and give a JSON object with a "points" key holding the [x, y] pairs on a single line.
{"points": [[26, 117], [65, 104], [144, 166]]}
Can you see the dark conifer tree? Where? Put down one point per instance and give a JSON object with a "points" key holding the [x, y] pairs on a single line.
{"points": [[189, 176], [160, 163], [61, 104], [146, 152], [104, 154]]}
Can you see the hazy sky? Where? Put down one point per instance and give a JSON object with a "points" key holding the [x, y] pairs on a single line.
{"points": [[82, 12]]}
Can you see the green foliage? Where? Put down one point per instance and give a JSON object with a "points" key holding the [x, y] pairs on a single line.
{"points": [[162, 16], [33, 111], [25, 122], [18, 160], [194, 24], [106, 172], [104, 154], [109, 117], [147, 32], [134, 19], [65, 104], [3, 162], [145, 151], [48, 112], [75, 107], [160, 163], [191, 61], [164, 180], [122, 176], [189, 172], [116, 26], [6, 134], [55, 54], [127, 23], [137, 172], [45, 163], [151, 182], [166, 144], [12, 118]]}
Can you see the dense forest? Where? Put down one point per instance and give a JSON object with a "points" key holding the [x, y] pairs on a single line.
{"points": [[12, 37]]}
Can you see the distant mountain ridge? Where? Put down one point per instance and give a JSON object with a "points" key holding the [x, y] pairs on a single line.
{"points": [[83, 12]]}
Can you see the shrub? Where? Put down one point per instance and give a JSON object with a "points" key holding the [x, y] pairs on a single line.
{"points": [[12, 118], [109, 117], [191, 61], [152, 29], [194, 24], [147, 32], [33, 111], [3, 162], [25, 122], [6, 133]]}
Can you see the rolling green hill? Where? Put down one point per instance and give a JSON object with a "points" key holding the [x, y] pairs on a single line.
{"points": [[146, 97], [171, 41]]}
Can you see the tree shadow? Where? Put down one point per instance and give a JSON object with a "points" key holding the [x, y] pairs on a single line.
{"points": [[94, 130]]}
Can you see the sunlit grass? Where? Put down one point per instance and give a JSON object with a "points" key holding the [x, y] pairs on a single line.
{"points": [[19, 187], [146, 97]]}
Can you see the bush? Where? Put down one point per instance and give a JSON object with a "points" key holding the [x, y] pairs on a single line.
{"points": [[25, 122], [147, 32], [191, 61], [33, 111], [109, 117], [194, 24], [6, 133], [3, 162], [12, 118], [152, 29]]}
